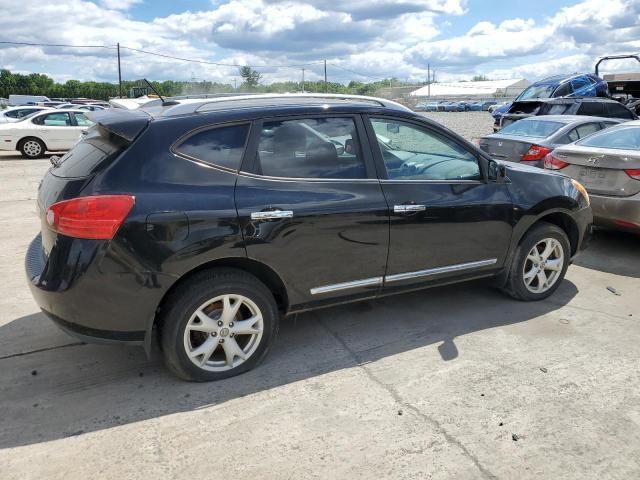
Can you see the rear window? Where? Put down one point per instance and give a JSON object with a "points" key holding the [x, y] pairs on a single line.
{"points": [[221, 146], [532, 128], [622, 138], [96, 146]]}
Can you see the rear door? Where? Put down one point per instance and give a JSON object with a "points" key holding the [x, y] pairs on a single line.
{"points": [[446, 221], [56, 129], [311, 207]]}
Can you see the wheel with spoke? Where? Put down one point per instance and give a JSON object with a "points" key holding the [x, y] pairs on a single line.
{"points": [[32, 148], [218, 324], [539, 263]]}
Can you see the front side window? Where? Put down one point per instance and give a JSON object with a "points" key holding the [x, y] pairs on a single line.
{"points": [[82, 120], [414, 153], [624, 138], [563, 90], [222, 146], [310, 148], [54, 120]]}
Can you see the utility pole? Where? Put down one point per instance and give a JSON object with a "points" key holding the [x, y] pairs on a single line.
{"points": [[119, 72], [303, 80], [235, 84], [428, 80], [326, 85]]}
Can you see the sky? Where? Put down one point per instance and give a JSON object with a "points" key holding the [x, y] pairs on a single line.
{"points": [[361, 40]]}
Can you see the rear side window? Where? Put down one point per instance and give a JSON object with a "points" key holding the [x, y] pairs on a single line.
{"points": [[594, 109], [618, 111], [624, 138], [310, 148], [221, 146], [54, 120], [532, 128]]}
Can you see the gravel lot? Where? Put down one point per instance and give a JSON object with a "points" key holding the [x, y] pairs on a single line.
{"points": [[468, 124], [454, 382]]}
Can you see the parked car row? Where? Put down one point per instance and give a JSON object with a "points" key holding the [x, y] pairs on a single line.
{"points": [[451, 106], [601, 153]]}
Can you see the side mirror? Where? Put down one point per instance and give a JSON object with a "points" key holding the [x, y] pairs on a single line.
{"points": [[339, 147], [496, 171], [393, 128]]}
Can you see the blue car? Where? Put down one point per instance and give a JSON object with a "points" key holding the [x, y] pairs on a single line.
{"points": [[576, 85]]}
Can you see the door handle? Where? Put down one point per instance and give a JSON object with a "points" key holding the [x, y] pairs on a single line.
{"points": [[271, 214], [409, 208]]}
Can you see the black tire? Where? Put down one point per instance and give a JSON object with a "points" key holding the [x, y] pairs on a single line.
{"points": [[196, 291], [516, 286], [28, 148]]}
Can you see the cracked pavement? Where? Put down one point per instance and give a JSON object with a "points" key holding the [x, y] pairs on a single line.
{"points": [[433, 384]]}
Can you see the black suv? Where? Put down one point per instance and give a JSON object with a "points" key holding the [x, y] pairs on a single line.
{"points": [[207, 220], [591, 106]]}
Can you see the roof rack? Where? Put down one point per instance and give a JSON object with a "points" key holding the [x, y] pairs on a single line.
{"points": [[207, 104]]}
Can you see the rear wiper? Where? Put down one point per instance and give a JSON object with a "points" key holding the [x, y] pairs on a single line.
{"points": [[55, 161]]}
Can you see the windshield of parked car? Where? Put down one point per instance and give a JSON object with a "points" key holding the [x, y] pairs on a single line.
{"points": [[536, 91], [622, 138], [532, 128]]}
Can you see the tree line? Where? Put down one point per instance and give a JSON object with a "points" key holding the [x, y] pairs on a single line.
{"points": [[40, 84]]}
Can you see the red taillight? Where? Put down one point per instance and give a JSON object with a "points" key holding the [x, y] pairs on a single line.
{"points": [[553, 163], [633, 173], [97, 217], [535, 152]]}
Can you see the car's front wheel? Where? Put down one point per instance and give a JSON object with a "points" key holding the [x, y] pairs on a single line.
{"points": [[539, 263], [218, 324], [32, 148]]}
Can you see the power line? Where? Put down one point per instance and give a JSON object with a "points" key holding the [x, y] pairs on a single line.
{"points": [[358, 73], [146, 52], [31, 44]]}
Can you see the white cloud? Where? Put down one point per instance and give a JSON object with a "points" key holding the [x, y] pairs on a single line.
{"points": [[375, 38], [119, 4]]}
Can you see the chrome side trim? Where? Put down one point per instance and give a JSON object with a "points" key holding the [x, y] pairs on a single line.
{"points": [[273, 214], [434, 271], [409, 208], [367, 282]]}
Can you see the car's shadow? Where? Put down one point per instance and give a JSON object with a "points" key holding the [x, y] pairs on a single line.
{"points": [[70, 390], [614, 252]]}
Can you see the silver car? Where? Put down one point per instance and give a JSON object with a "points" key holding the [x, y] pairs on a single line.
{"points": [[607, 163], [529, 140]]}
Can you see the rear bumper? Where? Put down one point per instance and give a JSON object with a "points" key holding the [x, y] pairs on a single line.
{"points": [[80, 289], [617, 212]]}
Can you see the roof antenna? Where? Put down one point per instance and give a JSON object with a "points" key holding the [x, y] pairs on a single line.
{"points": [[154, 90]]}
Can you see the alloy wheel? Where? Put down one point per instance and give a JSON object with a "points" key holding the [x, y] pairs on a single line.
{"points": [[223, 333], [543, 265]]}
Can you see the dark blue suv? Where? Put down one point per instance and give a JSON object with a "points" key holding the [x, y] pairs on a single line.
{"points": [[206, 220]]}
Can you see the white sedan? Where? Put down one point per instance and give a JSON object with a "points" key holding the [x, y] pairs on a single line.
{"points": [[13, 114], [49, 130]]}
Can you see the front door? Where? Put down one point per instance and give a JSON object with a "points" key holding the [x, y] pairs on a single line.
{"points": [[447, 221], [57, 130], [312, 209]]}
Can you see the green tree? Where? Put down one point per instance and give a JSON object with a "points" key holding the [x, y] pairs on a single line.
{"points": [[251, 78]]}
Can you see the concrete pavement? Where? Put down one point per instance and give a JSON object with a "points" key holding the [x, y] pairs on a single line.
{"points": [[455, 382]]}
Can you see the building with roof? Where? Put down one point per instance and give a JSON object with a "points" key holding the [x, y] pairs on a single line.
{"points": [[486, 89]]}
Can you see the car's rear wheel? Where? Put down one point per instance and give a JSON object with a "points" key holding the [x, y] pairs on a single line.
{"points": [[218, 324], [539, 264], [32, 148]]}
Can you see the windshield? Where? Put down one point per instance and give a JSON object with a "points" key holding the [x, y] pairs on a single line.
{"points": [[621, 138], [536, 91], [532, 128]]}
